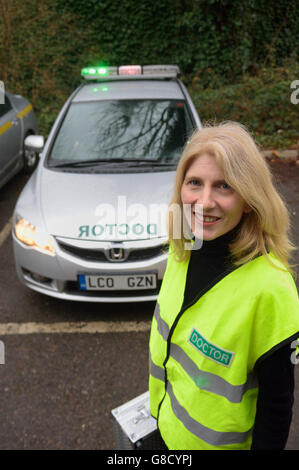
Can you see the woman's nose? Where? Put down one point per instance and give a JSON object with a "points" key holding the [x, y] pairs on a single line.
{"points": [[206, 199]]}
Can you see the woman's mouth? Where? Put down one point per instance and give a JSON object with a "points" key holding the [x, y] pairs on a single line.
{"points": [[207, 220]]}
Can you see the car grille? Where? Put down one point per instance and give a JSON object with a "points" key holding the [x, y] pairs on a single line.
{"points": [[96, 255]]}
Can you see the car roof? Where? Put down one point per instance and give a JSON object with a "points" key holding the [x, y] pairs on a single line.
{"points": [[129, 89]]}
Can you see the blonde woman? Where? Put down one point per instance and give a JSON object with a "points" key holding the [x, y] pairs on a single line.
{"points": [[227, 320]]}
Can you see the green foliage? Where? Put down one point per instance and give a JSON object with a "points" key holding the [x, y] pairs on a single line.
{"points": [[261, 102], [227, 37], [232, 54]]}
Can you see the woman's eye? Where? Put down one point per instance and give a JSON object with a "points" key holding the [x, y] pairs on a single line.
{"points": [[225, 186], [194, 182]]}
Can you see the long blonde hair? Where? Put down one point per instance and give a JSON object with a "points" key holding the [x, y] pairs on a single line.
{"points": [[265, 228]]}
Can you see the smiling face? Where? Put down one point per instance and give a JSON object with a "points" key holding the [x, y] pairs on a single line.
{"points": [[222, 206]]}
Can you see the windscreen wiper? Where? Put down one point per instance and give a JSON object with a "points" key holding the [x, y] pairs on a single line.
{"points": [[78, 163], [100, 161]]}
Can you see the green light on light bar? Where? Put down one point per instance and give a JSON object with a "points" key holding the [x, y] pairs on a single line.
{"points": [[94, 71], [102, 71], [125, 71]]}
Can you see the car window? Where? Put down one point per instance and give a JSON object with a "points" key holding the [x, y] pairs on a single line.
{"points": [[4, 108], [124, 129]]}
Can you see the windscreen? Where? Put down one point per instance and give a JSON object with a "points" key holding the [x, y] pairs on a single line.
{"points": [[123, 129]]}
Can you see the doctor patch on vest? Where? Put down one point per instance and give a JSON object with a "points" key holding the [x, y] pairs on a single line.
{"points": [[210, 350]]}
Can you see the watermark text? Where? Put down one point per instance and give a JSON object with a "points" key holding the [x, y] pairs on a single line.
{"points": [[2, 93], [295, 93], [295, 353], [122, 221], [2, 353]]}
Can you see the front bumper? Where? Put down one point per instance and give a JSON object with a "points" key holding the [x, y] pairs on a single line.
{"points": [[57, 276]]}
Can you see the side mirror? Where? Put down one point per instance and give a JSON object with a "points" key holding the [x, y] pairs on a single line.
{"points": [[35, 143]]}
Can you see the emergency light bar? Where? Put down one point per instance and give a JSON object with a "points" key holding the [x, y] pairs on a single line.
{"points": [[130, 71]]}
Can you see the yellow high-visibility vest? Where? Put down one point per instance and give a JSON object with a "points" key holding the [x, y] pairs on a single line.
{"points": [[203, 386]]}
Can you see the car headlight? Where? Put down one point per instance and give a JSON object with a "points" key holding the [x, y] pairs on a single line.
{"points": [[33, 237]]}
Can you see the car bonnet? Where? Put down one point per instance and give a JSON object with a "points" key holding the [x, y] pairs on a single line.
{"points": [[106, 206]]}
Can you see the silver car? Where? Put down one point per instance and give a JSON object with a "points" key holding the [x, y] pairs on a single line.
{"points": [[17, 121], [90, 223]]}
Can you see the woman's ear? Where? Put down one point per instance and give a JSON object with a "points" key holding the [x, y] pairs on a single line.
{"points": [[247, 209]]}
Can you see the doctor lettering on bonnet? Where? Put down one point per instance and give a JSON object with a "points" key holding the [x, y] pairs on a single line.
{"points": [[221, 374]]}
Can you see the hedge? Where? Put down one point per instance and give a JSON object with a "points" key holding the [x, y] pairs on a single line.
{"points": [[224, 48]]}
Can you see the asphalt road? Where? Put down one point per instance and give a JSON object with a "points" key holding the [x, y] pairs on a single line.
{"points": [[57, 389]]}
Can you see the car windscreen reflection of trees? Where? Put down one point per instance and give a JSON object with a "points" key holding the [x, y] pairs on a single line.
{"points": [[140, 129]]}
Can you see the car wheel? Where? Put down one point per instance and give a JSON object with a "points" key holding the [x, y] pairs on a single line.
{"points": [[31, 159]]}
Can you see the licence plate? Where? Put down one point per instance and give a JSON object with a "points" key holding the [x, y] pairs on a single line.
{"points": [[109, 282]]}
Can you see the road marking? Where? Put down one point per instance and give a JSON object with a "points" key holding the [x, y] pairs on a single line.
{"points": [[75, 327], [5, 231]]}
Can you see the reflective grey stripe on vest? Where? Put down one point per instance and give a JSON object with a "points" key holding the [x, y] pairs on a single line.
{"points": [[211, 382], [163, 328], [157, 371], [204, 380], [214, 438]]}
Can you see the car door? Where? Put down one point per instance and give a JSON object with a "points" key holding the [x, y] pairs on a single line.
{"points": [[10, 139]]}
